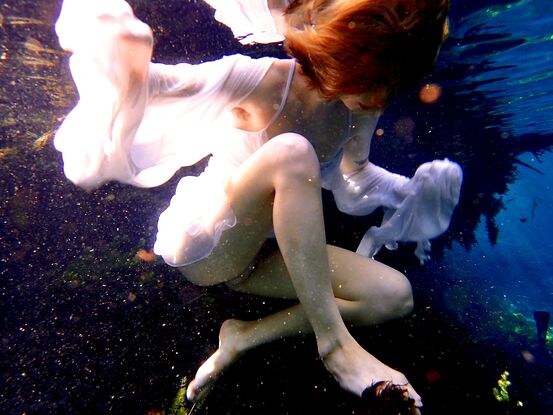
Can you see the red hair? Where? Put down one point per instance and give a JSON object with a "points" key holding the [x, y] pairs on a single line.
{"points": [[347, 47]]}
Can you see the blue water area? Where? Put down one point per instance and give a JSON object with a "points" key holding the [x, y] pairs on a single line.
{"points": [[510, 46], [91, 324], [518, 267]]}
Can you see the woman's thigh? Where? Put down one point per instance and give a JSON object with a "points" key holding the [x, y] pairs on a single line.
{"points": [[354, 278], [250, 192]]}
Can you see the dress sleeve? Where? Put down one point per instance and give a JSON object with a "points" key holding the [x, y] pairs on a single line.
{"points": [[111, 52], [415, 210], [138, 122], [251, 21]]}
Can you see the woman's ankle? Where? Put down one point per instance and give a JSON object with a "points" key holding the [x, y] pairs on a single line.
{"points": [[236, 336], [334, 345]]}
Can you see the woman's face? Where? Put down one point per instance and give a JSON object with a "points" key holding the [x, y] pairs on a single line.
{"points": [[373, 102]]}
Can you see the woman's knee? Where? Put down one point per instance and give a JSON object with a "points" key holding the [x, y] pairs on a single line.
{"points": [[398, 294], [392, 299], [293, 156]]}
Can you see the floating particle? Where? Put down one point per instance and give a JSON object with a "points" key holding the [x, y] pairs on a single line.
{"points": [[146, 256], [43, 140], [430, 93], [528, 356], [433, 376], [404, 128]]}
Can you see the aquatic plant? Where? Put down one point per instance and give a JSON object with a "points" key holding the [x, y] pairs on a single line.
{"points": [[491, 318], [180, 405], [501, 393]]}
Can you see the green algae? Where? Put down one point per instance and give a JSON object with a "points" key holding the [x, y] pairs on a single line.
{"points": [[180, 405], [501, 393]]}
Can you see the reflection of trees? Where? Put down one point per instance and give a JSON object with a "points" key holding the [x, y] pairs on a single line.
{"points": [[452, 129], [465, 126]]}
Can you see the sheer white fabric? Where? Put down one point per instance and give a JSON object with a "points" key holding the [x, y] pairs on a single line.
{"points": [[415, 210], [251, 21], [190, 228], [138, 122]]}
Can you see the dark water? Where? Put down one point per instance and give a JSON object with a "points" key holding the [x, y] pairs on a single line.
{"points": [[89, 327]]}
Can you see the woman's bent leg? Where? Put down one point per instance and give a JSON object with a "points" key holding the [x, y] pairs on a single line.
{"points": [[285, 171], [367, 292]]}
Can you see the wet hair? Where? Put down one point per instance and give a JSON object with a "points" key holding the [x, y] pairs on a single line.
{"points": [[348, 47], [385, 398]]}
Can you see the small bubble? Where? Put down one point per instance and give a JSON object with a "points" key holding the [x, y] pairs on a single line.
{"points": [[404, 127]]}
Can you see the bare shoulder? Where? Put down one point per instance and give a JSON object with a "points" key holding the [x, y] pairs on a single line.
{"points": [[257, 109]]}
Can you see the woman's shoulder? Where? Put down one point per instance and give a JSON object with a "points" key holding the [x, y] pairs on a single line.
{"points": [[266, 99]]}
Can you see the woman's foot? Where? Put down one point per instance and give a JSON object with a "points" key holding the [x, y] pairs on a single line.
{"points": [[355, 369], [231, 345]]}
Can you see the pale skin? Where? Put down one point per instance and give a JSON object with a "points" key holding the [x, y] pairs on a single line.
{"points": [[278, 188]]}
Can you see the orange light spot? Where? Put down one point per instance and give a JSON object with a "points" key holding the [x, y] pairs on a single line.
{"points": [[146, 256], [430, 93], [379, 132], [432, 376]]}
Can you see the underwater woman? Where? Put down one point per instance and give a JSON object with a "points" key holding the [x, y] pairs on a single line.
{"points": [[277, 131]]}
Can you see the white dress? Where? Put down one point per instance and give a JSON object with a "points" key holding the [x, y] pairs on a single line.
{"points": [[138, 122]]}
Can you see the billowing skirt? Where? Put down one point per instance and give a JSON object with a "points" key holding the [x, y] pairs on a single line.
{"points": [[190, 228]]}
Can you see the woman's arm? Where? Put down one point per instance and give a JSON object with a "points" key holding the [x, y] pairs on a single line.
{"points": [[362, 187], [356, 150], [416, 209]]}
